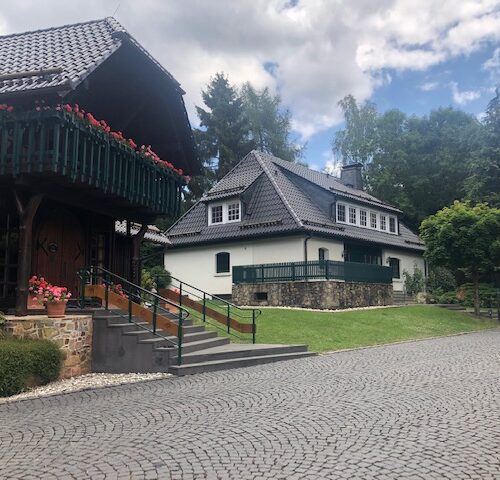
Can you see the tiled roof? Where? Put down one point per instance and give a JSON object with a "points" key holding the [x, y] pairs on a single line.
{"points": [[60, 57], [280, 197], [153, 234]]}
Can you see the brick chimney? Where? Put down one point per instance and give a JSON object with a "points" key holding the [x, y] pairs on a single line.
{"points": [[350, 176]]}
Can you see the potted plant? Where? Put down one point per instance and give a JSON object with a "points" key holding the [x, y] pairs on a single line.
{"points": [[55, 299], [36, 288]]}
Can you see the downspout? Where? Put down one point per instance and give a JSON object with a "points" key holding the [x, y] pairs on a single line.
{"points": [[305, 255]]}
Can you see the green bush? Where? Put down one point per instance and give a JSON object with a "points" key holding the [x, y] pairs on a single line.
{"points": [[414, 283], [160, 276], [487, 295], [441, 280], [445, 297], [27, 362]]}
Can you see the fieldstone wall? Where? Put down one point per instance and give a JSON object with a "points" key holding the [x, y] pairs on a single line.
{"points": [[327, 294], [72, 333]]}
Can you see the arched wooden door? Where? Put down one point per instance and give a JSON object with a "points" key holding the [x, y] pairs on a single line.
{"points": [[59, 249]]}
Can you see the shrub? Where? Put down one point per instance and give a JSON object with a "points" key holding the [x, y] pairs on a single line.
{"points": [[487, 295], [160, 276], [441, 280], [27, 362], [415, 282]]}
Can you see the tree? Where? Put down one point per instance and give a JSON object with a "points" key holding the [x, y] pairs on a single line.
{"points": [[357, 142], [225, 133], [269, 124], [464, 237]]}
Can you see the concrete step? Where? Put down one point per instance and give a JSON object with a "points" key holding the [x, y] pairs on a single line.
{"points": [[211, 366], [198, 345], [230, 351]]}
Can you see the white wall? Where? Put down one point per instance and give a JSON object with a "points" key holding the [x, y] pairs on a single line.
{"points": [[407, 261], [196, 265]]}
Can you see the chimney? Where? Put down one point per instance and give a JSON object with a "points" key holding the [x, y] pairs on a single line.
{"points": [[350, 176]]}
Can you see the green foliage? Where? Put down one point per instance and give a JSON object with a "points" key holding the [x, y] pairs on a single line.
{"points": [[414, 282], [269, 124], [444, 297], [153, 254], [464, 237], [27, 362], [160, 276], [147, 280], [441, 280], [2, 324], [357, 142], [487, 295]]}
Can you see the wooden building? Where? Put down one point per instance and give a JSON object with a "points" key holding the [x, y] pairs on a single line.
{"points": [[65, 177]]}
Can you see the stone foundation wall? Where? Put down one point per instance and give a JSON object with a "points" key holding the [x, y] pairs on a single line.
{"points": [[73, 334], [328, 294]]}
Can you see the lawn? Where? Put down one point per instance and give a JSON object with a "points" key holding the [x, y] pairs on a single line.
{"points": [[327, 331]]}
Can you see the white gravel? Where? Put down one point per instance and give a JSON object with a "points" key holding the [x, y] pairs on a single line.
{"points": [[84, 382]]}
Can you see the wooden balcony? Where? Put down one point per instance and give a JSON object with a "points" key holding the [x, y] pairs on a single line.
{"points": [[54, 150]]}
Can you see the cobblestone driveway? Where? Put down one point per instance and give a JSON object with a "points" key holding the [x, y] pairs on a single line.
{"points": [[422, 410]]}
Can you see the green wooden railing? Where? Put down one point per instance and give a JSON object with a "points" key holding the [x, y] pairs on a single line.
{"points": [[55, 143], [313, 270]]}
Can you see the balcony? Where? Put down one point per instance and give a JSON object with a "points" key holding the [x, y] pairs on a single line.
{"points": [[56, 150], [313, 270]]}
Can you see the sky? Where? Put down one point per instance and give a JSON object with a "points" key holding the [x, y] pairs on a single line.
{"points": [[412, 55]]}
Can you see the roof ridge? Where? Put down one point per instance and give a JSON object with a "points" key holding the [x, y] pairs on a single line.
{"points": [[285, 201], [29, 32]]}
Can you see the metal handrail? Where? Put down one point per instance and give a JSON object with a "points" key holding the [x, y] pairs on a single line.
{"points": [[254, 312], [133, 295]]}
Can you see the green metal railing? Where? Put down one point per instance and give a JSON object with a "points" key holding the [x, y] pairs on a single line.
{"points": [[56, 143], [216, 311], [313, 270], [134, 294]]}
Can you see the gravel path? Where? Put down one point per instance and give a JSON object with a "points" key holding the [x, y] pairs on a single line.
{"points": [[420, 410]]}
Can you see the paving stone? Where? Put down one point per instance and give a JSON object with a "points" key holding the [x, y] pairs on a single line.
{"points": [[418, 410]]}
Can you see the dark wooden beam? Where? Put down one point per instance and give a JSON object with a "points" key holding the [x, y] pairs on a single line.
{"points": [[136, 254], [26, 214]]}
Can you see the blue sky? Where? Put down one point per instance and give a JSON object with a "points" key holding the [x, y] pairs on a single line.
{"points": [[406, 54]]}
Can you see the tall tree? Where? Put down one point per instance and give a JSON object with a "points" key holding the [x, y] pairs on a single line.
{"points": [[269, 123], [357, 142], [463, 237], [224, 135]]}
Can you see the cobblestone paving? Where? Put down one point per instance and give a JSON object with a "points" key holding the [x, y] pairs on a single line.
{"points": [[422, 410]]}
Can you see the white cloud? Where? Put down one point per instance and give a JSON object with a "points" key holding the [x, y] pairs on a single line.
{"points": [[428, 86], [492, 65], [322, 49], [333, 165], [463, 96]]}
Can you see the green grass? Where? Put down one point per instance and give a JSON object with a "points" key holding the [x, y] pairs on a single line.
{"points": [[328, 331]]}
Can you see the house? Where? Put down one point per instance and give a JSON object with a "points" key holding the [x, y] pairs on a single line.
{"points": [[76, 104], [267, 211]]}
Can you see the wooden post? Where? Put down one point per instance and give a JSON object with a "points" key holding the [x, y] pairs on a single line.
{"points": [[136, 254], [26, 215]]}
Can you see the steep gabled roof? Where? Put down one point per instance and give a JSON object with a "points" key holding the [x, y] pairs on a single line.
{"points": [[282, 198], [60, 58]]}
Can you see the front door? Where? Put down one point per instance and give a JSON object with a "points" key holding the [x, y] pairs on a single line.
{"points": [[59, 249]]}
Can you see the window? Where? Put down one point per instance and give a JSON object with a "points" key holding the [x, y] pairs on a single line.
{"points": [[222, 262], [340, 212], [383, 222], [392, 225], [323, 254], [216, 214], [373, 220], [233, 212], [394, 264], [362, 218], [352, 215]]}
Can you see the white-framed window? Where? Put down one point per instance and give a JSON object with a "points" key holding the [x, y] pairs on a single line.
{"points": [[216, 214], [352, 215], [340, 212], [373, 220], [383, 222], [228, 212], [362, 218], [323, 254], [233, 212], [392, 224]]}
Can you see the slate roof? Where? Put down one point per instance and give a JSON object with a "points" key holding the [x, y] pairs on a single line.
{"points": [[153, 233], [283, 198], [71, 52]]}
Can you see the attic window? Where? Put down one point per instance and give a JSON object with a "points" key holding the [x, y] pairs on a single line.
{"points": [[227, 212], [216, 214]]}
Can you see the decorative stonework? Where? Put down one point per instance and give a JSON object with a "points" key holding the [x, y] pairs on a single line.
{"points": [[330, 295], [73, 334]]}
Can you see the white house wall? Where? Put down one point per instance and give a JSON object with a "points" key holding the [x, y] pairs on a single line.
{"points": [[407, 261]]}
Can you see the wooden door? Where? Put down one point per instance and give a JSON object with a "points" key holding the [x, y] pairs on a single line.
{"points": [[59, 249]]}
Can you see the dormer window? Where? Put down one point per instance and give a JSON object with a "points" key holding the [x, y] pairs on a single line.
{"points": [[228, 212], [358, 216], [392, 225]]}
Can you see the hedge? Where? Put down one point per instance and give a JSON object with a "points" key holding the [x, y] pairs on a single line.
{"points": [[25, 363]]}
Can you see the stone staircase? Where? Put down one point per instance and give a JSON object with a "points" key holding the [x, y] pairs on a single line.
{"points": [[120, 346], [402, 298]]}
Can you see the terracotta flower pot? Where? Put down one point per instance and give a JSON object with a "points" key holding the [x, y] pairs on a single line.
{"points": [[33, 302], [56, 309]]}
